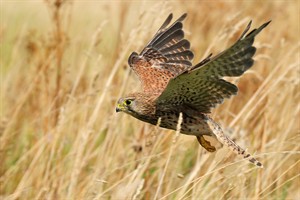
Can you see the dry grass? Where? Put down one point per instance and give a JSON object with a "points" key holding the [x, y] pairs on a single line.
{"points": [[64, 65]]}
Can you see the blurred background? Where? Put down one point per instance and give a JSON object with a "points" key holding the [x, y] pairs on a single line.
{"points": [[64, 66]]}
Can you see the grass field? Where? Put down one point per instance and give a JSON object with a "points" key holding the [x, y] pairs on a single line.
{"points": [[64, 66]]}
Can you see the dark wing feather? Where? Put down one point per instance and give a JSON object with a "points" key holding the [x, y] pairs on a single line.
{"points": [[235, 60], [165, 56], [201, 87]]}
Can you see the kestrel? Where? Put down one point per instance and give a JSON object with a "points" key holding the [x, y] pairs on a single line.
{"points": [[172, 85]]}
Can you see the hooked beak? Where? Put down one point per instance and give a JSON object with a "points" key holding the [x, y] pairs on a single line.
{"points": [[118, 108]]}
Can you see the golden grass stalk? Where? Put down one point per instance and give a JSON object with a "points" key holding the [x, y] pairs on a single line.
{"points": [[64, 65]]}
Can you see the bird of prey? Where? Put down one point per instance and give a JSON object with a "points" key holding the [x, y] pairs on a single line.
{"points": [[172, 85]]}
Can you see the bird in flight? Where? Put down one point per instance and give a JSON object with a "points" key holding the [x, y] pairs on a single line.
{"points": [[172, 85]]}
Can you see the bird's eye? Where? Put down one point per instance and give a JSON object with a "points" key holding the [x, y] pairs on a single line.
{"points": [[128, 102]]}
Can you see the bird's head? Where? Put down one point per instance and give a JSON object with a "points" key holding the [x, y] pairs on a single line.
{"points": [[126, 104], [135, 105]]}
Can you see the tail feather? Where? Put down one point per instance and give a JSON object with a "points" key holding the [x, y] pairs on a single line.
{"points": [[225, 140]]}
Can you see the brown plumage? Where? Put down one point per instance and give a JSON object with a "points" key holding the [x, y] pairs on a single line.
{"points": [[171, 85]]}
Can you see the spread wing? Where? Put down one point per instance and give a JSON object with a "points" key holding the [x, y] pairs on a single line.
{"points": [[166, 55], [201, 87]]}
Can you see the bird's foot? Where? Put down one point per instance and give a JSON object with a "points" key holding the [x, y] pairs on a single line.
{"points": [[205, 144]]}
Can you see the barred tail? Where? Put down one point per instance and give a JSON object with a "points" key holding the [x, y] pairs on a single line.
{"points": [[225, 140]]}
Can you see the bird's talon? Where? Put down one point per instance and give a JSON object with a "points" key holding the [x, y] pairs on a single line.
{"points": [[205, 144]]}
